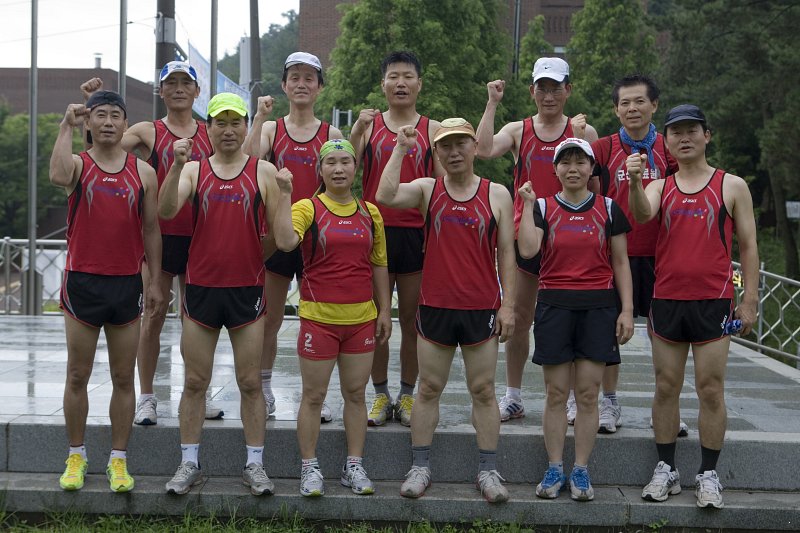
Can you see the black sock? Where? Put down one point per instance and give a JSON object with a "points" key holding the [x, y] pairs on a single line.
{"points": [[666, 453], [708, 459]]}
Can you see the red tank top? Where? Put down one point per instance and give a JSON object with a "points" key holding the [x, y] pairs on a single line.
{"points": [[299, 157], [693, 252], [460, 242], [226, 246], [161, 160], [576, 246], [535, 164], [610, 155], [104, 222], [336, 256], [418, 163]]}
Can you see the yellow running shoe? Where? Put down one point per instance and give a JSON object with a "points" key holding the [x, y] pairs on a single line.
{"points": [[72, 478], [402, 409], [118, 477], [381, 410]]}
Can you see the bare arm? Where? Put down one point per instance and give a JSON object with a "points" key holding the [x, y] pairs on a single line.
{"points": [[257, 143], [529, 238], [506, 259], [624, 284], [362, 128], [485, 131], [65, 167], [391, 192], [643, 204], [438, 169], [139, 140], [286, 238], [178, 185], [335, 133], [381, 291], [151, 234], [745, 224]]}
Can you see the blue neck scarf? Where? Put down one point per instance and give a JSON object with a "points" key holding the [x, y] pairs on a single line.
{"points": [[645, 144]]}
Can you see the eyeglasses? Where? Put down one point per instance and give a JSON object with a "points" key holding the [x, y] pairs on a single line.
{"points": [[558, 91]]}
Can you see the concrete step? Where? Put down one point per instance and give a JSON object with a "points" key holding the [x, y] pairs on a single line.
{"points": [[614, 506], [749, 461]]}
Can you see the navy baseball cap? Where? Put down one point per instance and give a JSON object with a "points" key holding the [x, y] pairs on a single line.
{"points": [[682, 113], [106, 97]]}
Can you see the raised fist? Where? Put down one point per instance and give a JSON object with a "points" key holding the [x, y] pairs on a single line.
{"points": [[407, 137], [496, 89], [284, 180], [264, 107], [76, 115], [91, 86], [526, 192], [635, 164], [182, 150], [578, 125]]}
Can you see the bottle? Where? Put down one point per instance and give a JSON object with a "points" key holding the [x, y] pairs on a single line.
{"points": [[732, 327]]}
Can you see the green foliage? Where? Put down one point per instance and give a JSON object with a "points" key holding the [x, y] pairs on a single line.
{"points": [[14, 170], [459, 44], [532, 47], [611, 39]]}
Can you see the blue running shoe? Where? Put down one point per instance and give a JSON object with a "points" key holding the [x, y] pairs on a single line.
{"points": [[554, 482], [579, 485]]}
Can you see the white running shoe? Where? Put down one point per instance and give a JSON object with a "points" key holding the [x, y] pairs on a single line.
{"points": [[146, 412], [708, 490], [355, 477], [572, 410], [489, 483], [417, 481], [311, 482], [510, 408], [683, 428], [213, 412], [325, 414], [269, 403], [665, 482], [188, 474], [609, 416]]}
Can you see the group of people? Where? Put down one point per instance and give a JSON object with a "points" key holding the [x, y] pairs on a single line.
{"points": [[598, 231]]}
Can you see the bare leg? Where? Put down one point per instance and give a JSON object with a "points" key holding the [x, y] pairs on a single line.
{"points": [[518, 346], [122, 344], [407, 301], [248, 343], [149, 338], [276, 288], [710, 360], [554, 418], [354, 372], [480, 362], [316, 376], [81, 346], [198, 344], [669, 363], [588, 375], [434, 369]]}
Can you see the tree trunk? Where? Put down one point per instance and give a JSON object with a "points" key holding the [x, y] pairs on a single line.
{"points": [[783, 224]]}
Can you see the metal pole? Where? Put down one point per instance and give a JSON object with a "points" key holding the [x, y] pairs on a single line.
{"points": [[165, 48], [255, 56], [213, 85], [32, 158], [123, 46], [515, 66], [7, 272]]}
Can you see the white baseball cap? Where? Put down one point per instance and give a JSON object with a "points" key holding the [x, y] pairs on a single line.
{"points": [[554, 68], [177, 66], [574, 142], [303, 58]]}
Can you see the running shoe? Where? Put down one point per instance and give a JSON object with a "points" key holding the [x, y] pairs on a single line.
{"points": [[381, 411], [572, 410], [188, 474], [417, 481], [552, 484], [683, 429], [665, 482], [269, 403], [74, 474], [355, 477], [146, 412], [213, 412], [580, 487], [118, 477], [511, 408], [325, 414], [256, 478], [402, 409], [708, 490], [489, 483], [311, 482], [609, 416]]}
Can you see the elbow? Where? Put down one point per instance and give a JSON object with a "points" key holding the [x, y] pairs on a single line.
{"points": [[383, 198]]}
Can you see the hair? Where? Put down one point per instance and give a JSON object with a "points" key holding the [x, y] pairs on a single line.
{"points": [[565, 81], [401, 56], [209, 118], [573, 151], [633, 80], [286, 74], [703, 125]]}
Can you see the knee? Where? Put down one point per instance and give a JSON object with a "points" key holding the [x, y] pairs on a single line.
{"points": [[78, 376], [249, 384], [482, 392], [711, 394], [429, 390], [407, 320], [354, 395], [586, 397], [314, 397], [523, 315], [557, 395], [668, 384], [272, 324], [195, 383], [122, 378]]}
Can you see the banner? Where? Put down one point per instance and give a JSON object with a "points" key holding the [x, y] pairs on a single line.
{"points": [[224, 84]]}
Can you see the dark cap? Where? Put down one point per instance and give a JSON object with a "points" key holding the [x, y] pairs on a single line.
{"points": [[683, 113], [106, 97]]}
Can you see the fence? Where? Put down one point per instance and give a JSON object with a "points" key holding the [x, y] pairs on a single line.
{"points": [[777, 332]]}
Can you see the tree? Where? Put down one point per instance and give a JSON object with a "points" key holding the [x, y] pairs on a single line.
{"points": [[460, 46], [14, 170], [611, 39], [737, 59], [533, 46]]}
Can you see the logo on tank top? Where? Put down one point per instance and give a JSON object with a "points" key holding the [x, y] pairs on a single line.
{"points": [[109, 178]]}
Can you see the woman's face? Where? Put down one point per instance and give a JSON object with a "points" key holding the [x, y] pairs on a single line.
{"points": [[338, 170]]}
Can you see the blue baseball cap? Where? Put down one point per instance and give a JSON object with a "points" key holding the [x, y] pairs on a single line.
{"points": [[177, 66]]}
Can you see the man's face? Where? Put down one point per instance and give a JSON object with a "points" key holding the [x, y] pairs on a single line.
{"points": [[302, 84], [550, 96], [457, 153], [227, 132], [179, 91], [634, 108], [686, 140], [107, 123], [401, 84]]}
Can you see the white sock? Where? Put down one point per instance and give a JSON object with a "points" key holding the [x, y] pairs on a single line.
{"points": [[266, 382], [513, 393], [80, 450], [189, 452], [117, 454], [255, 454], [144, 396]]}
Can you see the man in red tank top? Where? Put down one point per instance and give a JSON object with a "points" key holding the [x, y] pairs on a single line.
{"points": [[635, 99], [532, 142], [468, 223], [693, 295], [152, 142], [112, 223], [291, 142], [374, 136], [225, 280]]}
